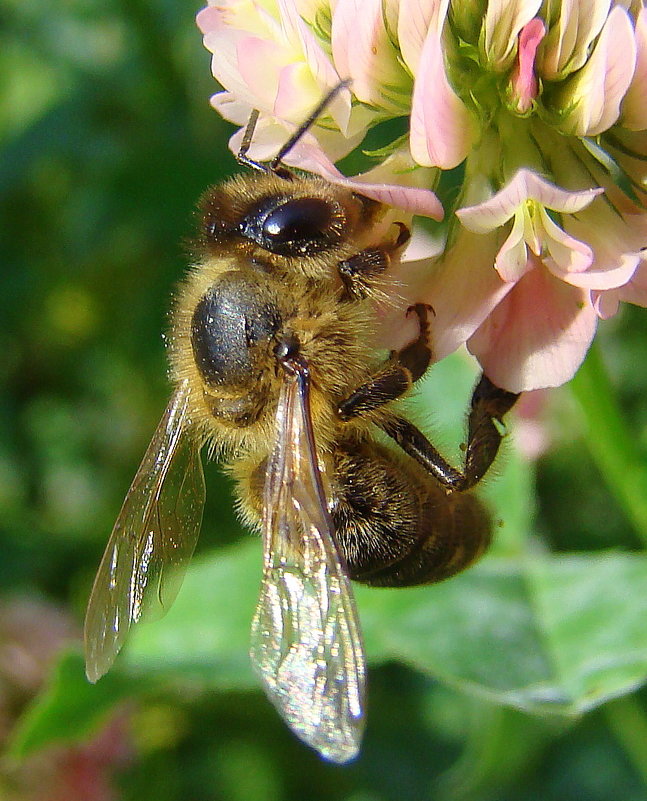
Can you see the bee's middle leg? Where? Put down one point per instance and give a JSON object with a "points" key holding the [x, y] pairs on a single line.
{"points": [[488, 406], [402, 370]]}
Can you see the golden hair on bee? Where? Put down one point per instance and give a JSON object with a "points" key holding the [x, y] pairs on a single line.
{"points": [[295, 285]]}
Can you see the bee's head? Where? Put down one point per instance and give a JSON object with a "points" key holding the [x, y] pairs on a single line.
{"points": [[294, 221]]}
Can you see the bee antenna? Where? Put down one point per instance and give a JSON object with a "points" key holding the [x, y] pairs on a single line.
{"points": [[242, 157], [275, 164], [308, 123]]}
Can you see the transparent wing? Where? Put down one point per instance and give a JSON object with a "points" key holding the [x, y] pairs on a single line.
{"points": [[152, 540], [306, 641]]}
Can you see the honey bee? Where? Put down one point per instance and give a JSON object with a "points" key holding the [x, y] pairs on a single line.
{"points": [[274, 366]]}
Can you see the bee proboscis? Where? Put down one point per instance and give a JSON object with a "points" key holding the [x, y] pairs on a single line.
{"points": [[274, 364]]}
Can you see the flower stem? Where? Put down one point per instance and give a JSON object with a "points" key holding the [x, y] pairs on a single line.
{"points": [[627, 721], [610, 441]]}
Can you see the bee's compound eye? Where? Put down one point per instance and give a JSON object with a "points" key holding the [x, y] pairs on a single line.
{"points": [[305, 219], [297, 226]]}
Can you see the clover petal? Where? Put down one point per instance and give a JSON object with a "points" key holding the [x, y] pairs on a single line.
{"points": [[575, 24], [384, 183], [590, 99], [504, 19], [457, 273], [363, 51], [440, 133], [634, 107], [525, 185], [537, 336]]}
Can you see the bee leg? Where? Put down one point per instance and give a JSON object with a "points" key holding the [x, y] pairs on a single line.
{"points": [[485, 428], [485, 432], [392, 381], [359, 271]]}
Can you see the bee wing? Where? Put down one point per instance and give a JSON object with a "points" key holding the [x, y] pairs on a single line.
{"points": [[151, 542], [306, 640]]}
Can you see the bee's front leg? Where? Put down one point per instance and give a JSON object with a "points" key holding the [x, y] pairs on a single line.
{"points": [[359, 272]]}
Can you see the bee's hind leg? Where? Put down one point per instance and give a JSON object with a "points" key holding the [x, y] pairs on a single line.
{"points": [[485, 421], [452, 528]]}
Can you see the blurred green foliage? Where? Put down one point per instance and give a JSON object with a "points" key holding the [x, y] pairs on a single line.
{"points": [[107, 141]]}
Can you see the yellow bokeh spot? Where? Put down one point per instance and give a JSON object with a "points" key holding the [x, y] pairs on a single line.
{"points": [[157, 727], [71, 313]]}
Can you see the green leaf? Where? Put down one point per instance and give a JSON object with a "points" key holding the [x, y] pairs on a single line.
{"points": [[440, 409], [500, 744], [206, 634], [547, 634], [68, 709], [386, 150]]}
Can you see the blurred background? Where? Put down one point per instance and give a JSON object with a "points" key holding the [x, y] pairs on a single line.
{"points": [[107, 141]]}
